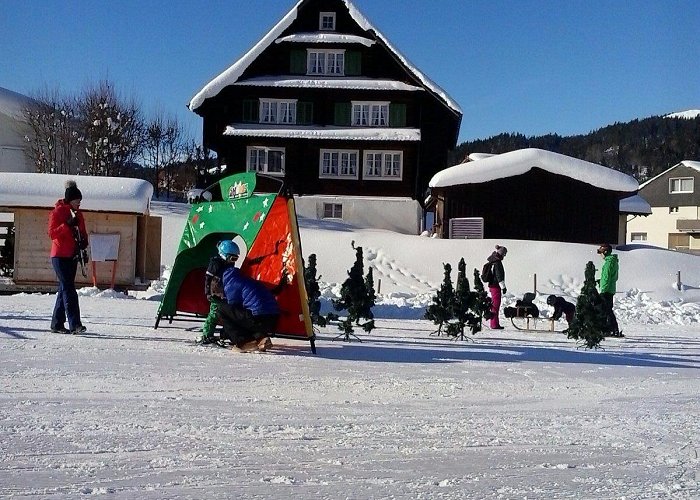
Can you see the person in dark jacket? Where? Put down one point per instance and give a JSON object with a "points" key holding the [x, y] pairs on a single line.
{"points": [[226, 256], [66, 228], [497, 284], [561, 306], [250, 312]]}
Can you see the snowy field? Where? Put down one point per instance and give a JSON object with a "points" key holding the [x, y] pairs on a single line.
{"points": [[131, 412]]}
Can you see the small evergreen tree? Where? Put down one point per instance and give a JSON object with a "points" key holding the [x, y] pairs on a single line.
{"points": [[440, 311], [589, 323], [313, 292], [463, 306], [355, 299], [483, 301]]}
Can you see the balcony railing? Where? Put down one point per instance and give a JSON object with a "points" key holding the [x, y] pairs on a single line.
{"points": [[688, 225]]}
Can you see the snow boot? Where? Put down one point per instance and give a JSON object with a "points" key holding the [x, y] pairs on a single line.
{"points": [[78, 330], [60, 329]]}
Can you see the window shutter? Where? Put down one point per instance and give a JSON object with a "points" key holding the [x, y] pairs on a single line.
{"points": [[353, 63], [297, 62], [342, 113], [397, 115], [251, 110], [305, 113]]}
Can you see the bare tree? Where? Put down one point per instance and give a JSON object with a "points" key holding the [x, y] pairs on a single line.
{"points": [[203, 163], [53, 143], [164, 148], [112, 130]]}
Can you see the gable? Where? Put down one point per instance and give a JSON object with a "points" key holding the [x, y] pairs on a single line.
{"points": [[657, 190], [303, 19]]}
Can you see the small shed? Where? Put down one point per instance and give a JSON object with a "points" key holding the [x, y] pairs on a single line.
{"points": [[124, 237], [529, 194]]}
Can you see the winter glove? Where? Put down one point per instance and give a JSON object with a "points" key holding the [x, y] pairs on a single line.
{"points": [[73, 221], [504, 290]]}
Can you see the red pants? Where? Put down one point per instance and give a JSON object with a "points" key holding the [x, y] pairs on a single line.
{"points": [[495, 292]]}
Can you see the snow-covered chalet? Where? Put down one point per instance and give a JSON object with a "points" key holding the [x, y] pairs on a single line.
{"points": [[325, 102]]}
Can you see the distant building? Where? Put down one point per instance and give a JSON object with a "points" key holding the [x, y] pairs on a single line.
{"points": [[675, 210], [325, 102], [530, 194], [14, 147]]}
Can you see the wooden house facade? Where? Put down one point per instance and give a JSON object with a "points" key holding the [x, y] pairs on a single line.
{"points": [[111, 206], [325, 102], [531, 194]]}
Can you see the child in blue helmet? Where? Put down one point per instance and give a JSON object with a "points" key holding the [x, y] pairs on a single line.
{"points": [[226, 257]]}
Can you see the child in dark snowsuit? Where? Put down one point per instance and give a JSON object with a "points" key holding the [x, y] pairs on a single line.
{"points": [[226, 257], [561, 306]]}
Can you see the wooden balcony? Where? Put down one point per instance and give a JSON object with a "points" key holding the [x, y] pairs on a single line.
{"points": [[688, 225]]}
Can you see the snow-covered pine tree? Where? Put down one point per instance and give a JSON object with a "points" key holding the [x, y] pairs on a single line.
{"points": [[313, 292], [483, 301], [589, 324], [463, 305], [440, 311], [354, 299]]}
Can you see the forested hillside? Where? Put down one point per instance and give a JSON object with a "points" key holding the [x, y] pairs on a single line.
{"points": [[642, 148]]}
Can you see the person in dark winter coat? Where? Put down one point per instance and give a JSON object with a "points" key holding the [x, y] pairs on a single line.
{"points": [[561, 306], [250, 313], [66, 223], [608, 286], [227, 255], [497, 284]]}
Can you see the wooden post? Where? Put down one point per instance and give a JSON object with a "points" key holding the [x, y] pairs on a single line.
{"points": [[379, 285], [678, 280], [534, 285]]}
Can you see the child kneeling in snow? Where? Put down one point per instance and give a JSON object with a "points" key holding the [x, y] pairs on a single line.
{"points": [[561, 306]]}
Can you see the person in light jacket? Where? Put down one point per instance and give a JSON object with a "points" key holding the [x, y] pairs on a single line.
{"points": [[497, 284], [68, 239]]}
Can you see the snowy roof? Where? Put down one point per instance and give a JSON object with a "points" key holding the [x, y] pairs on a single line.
{"points": [[635, 204], [100, 194], [523, 160], [306, 82], [13, 104], [479, 156], [325, 38], [685, 163], [234, 72], [316, 132]]}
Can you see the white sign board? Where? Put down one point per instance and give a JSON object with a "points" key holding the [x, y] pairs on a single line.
{"points": [[104, 246]]}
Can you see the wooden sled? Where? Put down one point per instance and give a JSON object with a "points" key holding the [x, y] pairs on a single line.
{"points": [[530, 324]]}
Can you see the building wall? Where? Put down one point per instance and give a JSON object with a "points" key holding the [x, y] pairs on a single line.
{"points": [[13, 145], [660, 224], [402, 215]]}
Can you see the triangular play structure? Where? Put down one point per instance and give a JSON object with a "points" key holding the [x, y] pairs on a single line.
{"points": [[267, 226]]}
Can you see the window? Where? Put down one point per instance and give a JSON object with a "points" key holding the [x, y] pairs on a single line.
{"points": [[638, 237], [325, 62], [332, 211], [673, 210], [278, 111], [326, 21], [681, 185], [387, 165], [370, 114], [338, 163], [266, 160]]}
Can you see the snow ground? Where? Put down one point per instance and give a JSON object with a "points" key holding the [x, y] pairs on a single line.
{"points": [[133, 412]]}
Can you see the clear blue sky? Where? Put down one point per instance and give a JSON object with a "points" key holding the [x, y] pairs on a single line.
{"points": [[533, 67]]}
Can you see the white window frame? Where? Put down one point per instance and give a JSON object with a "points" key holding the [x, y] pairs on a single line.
{"points": [[370, 157], [325, 62], [638, 237], [680, 189], [322, 16], [335, 208], [261, 155], [332, 162], [370, 113], [278, 111]]}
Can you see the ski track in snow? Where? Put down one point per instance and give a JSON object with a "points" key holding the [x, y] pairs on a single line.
{"points": [[142, 413]]}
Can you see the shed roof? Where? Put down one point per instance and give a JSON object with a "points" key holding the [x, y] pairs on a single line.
{"points": [[523, 160], [100, 194], [635, 205], [234, 72]]}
